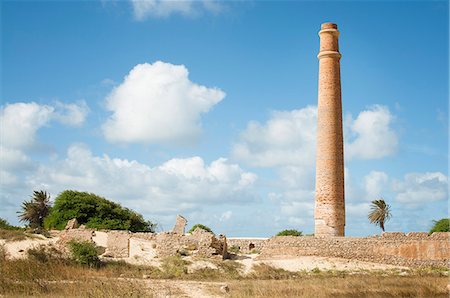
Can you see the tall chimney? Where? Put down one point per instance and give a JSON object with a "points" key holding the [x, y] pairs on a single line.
{"points": [[329, 213]]}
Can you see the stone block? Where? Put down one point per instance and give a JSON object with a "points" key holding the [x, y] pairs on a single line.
{"points": [[180, 225]]}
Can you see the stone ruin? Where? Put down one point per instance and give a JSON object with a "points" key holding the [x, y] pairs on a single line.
{"points": [[180, 224], [149, 246], [414, 249]]}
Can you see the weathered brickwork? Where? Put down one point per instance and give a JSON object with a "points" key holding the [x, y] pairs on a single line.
{"points": [[413, 249], [329, 213]]}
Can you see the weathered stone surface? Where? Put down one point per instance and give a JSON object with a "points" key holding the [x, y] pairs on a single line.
{"points": [[73, 234], [246, 245], [441, 235], [329, 212], [393, 235], [142, 248], [224, 289], [400, 250], [118, 244], [180, 224], [72, 224], [100, 238]]}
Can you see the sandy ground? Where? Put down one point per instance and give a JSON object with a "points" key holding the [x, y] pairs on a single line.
{"points": [[309, 263], [18, 249]]}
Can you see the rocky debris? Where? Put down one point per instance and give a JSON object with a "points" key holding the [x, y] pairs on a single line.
{"points": [[180, 224], [71, 224], [225, 289]]}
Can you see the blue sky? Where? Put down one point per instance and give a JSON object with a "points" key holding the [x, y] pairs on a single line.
{"points": [[208, 109]]}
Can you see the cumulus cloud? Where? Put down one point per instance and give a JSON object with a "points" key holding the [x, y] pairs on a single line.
{"points": [[288, 138], [143, 9], [19, 123], [376, 184], [176, 185], [158, 103], [421, 188], [72, 114], [371, 134]]}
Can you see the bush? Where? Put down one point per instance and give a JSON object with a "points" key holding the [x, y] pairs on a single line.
{"points": [[85, 253], [94, 212], [203, 227], [442, 225], [289, 233]]}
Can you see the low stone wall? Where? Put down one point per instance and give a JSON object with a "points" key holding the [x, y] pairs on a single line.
{"points": [[124, 244], [412, 249], [246, 245]]}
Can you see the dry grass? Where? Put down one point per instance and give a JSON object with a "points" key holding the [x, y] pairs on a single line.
{"points": [[349, 286], [49, 276], [13, 235]]}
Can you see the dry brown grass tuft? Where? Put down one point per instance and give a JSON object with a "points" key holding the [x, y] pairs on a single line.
{"points": [[349, 286], [47, 275], [13, 235]]}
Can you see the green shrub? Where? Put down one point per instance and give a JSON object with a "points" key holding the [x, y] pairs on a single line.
{"points": [[234, 249], [84, 253], [289, 233], [442, 225], [203, 227], [94, 212]]}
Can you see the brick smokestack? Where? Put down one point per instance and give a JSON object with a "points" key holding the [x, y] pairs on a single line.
{"points": [[329, 213]]}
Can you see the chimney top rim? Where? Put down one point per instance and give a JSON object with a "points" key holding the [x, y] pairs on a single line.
{"points": [[328, 25]]}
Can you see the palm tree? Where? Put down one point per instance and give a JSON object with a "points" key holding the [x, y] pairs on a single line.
{"points": [[380, 213], [35, 210]]}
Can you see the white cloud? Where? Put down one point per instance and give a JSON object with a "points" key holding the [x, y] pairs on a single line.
{"points": [[143, 9], [13, 159], [376, 184], [421, 188], [176, 185], [374, 137], [158, 103], [73, 114], [19, 123], [286, 139]]}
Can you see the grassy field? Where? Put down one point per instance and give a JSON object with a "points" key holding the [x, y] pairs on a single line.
{"points": [[52, 276]]}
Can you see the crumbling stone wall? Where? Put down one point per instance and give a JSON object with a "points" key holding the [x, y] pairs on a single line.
{"points": [[118, 244], [413, 249], [246, 245], [180, 224], [75, 234]]}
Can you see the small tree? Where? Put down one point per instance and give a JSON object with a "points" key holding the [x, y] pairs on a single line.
{"points": [[203, 227], [35, 210], [380, 212], [95, 212], [442, 225], [289, 233]]}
